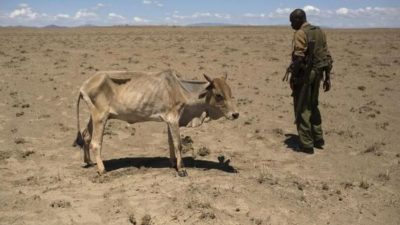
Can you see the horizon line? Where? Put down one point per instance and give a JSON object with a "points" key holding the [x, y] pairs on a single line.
{"points": [[55, 26]]}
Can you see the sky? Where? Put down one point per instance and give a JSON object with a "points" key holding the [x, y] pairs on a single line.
{"points": [[337, 14]]}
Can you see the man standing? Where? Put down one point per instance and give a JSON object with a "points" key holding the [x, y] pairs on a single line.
{"points": [[310, 61]]}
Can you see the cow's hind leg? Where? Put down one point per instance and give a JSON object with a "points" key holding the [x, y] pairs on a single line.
{"points": [[97, 139], [87, 138], [172, 157], [173, 128]]}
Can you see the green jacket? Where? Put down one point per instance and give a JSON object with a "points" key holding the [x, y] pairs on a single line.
{"points": [[307, 32]]}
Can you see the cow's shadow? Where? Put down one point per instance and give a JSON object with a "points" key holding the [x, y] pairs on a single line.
{"points": [[163, 162]]}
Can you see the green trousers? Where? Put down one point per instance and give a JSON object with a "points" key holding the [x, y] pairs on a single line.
{"points": [[309, 118]]}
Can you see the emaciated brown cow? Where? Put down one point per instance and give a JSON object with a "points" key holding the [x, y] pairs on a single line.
{"points": [[139, 96]]}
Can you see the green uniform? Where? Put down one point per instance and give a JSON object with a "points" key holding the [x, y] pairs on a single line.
{"points": [[308, 119]]}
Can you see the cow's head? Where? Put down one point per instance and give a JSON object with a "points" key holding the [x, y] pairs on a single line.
{"points": [[218, 95]]}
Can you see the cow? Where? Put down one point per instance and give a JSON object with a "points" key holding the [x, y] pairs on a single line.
{"points": [[143, 96]]}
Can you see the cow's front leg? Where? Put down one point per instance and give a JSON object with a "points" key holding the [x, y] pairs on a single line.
{"points": [[96, 143], [174, 130], [172, 157]]}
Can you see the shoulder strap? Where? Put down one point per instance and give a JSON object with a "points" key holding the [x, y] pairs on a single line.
{"points": [[310, 34]]}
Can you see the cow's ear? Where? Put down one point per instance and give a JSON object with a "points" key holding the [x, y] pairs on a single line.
{"points": [[207, 78], [203, 93]]}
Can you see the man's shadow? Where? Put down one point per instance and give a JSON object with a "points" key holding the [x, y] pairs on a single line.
{"points": [[292, 141], [163, 162]]}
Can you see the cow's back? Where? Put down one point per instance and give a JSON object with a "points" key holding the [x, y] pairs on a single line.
{"points": [[145, 96]]}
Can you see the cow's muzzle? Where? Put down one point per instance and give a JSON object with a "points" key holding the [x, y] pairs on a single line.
{"points": [[232, 115]]}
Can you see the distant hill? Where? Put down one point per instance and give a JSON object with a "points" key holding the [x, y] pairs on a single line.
{"points": [[211, 25], [53, 26], [87, 25]]}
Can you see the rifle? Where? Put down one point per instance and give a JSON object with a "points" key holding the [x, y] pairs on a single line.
{"points": [[288, 71], [306, 79]]}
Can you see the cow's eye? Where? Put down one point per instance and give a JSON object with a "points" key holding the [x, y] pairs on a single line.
{"points": [[219, 97]]}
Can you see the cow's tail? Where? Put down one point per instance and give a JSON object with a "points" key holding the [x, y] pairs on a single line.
{"points": [[79, 138]]}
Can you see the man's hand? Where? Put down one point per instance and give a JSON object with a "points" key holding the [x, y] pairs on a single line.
{"points": [[291, 83], [327, 85]]}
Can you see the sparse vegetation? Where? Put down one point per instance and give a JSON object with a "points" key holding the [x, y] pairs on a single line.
{"points": [[278, 131], [146, 220], [384, 176], [132, 219], [375, 148], [364, 184], [248, 173], [20, 141], [60, 204], [203, 151]]}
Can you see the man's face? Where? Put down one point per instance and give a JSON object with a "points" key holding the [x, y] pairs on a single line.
{"points": [[295, 23]]}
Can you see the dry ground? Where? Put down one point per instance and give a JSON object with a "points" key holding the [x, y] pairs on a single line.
{"points": [[240, 172]]}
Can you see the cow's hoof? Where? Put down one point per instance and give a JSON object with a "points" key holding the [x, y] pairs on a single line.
{"points": [[182, 173], [88, 164]]}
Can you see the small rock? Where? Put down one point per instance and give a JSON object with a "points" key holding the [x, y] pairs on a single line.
{"points": [[4, 155], [19, 114], [325, 187], [146, 220], [205, 215], [19, 141], [278, 131], [203, 151], [25, 154], [60, 204], [364, 185], [361, 88], [132, 219]]}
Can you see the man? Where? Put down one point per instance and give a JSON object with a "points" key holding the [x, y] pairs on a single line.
{"points": [[310, 61]]}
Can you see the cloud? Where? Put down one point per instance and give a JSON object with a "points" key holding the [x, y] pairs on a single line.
{"points": [[342, 16], [62, 16], [153, 2], [176, 16], [137, 19], [280, 13], [254, 15], [337, 17], [84, 14], [222, 15], [24, 12], [311, 10], [382, 12], [342, 11], [23, 5], [283, 11], [114, 16], [201, 15]]}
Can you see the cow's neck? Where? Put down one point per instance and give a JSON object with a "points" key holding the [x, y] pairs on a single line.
{"points": [[195, 107], [194, 103]]}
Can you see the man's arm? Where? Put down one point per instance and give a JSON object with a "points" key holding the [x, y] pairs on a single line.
{"points": [[299, 43], [327, 81], [298, 55]]}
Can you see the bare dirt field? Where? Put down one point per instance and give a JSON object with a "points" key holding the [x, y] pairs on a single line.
{"points": [[240, 172]]}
